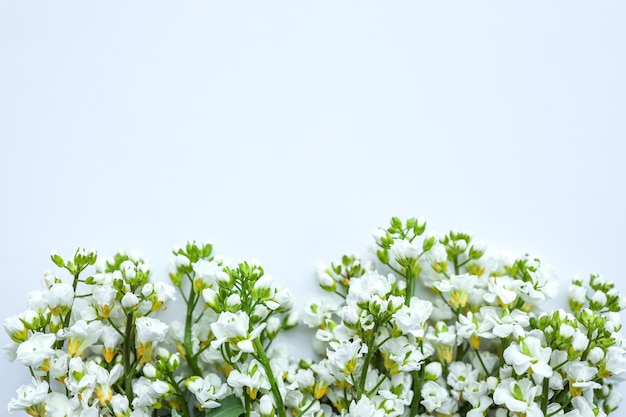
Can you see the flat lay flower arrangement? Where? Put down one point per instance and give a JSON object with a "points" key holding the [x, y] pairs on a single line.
{"points": [[432, 326]]}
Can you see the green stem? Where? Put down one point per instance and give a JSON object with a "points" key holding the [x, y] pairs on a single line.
{"points": [[305, 409], [561, 408], [544, 396], [366, 363], [66, 320], [409, 286], [129, 347], [262, 358], [246, 399], [481, 362], [184, 407], [187, 342], [418, 381], [378, 384]]}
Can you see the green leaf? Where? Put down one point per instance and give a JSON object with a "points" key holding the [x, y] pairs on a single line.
{"points": [[231, 407]]}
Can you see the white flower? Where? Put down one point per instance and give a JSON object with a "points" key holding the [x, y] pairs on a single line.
{"points": [[503, 290], [518, 396], [208, 390], [273, 326], [222, 277], [325, 280], [231, 325], [320, 309], [581, 374], [615, 364], [580, 341], [104, 380], [403, 251], [129, 269], [158, 293], [599, 299], [234, 327], [283, 297], [362, 289], [461, 374], [437, 254], [233, 300], [457, 283], [79, 381], [181, 260], [149, 371], [104, 297], [613, 400], [433, 370], [60, 297], [363, 408], [529, 353], [57, 405], [111, 339], [120, 405], [14, 326], [443, 339], [148, 392], [206, 271], [59, 365], [304, 378], [401, 355], [252, 376], [502, 322], [36, 350], [542, 286], [584, 408], [349, 314], [345, 355], [441, 311], [266, 408], [81, 335], [480, 406], [38, 301], [433, 396], [210, 296], [150, 330], [412, 318], [577, 294], [130, 301], [595, 355], [30, 398]]}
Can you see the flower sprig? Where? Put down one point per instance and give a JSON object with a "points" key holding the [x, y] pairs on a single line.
{"points": [[433, 325]]}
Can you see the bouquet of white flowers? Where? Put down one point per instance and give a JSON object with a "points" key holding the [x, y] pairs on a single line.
{"points": [[473, 342]]}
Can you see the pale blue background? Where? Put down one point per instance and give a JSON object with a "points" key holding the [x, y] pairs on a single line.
{"points": [[287, 131]]}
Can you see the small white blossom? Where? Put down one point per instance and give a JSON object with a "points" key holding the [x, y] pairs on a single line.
{"points": [[518, 396], [529, 353], [150, 330], [130, 301], [30, 398], [412, 318], [208, 390], [433, 396]]}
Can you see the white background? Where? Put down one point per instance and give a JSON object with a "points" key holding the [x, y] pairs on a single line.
{"points": [[287, 131]]}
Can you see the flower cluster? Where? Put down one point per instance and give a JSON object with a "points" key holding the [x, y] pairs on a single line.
{"points": [[89, 345], [432, 326]]}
